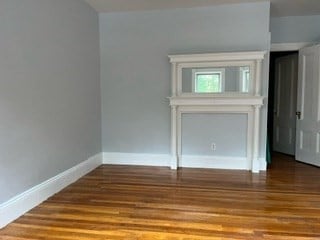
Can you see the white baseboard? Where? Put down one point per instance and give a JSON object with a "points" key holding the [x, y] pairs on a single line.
{"points": [[263, 164], [192, 161], [218, 162], [145, 159], [22, 203]]}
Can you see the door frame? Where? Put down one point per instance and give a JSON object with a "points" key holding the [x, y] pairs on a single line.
{"points": [[271, 88], [287, 47], [283, 47]]}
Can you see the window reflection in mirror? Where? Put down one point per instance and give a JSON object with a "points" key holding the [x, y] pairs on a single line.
{"points": [[244, 79], [208, 80], [216, 80]]}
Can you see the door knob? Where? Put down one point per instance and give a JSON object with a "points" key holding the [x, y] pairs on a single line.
{"points": [[298, 115]]}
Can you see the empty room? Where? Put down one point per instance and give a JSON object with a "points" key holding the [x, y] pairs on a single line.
{"points": [[159, 119]]}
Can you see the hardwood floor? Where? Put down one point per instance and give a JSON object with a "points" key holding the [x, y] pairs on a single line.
{"points": [[126, 202]]}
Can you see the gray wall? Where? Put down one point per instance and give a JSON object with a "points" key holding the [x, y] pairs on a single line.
{"points": [[198, 138], [49, 90], [135, 70], [295, 29]]}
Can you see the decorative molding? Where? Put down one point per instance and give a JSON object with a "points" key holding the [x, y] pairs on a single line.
{"points": [[218, 162], [144, 159], [283, 47], [22, 203], [229, 56], [216, 101]]}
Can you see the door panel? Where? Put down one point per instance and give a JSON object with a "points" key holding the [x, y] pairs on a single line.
{"points": [[285, 104], [308, 126]]}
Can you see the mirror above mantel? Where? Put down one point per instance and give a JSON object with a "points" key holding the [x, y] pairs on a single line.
{"points": [[216, 80], [217, 74], [217, 83]]}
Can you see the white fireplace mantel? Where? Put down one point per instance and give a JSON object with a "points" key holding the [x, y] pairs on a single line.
{"points": [[229, 102]]}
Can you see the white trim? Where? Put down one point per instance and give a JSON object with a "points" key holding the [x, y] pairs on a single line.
{"points": [[144, 159], [218, 162], [164, 160], [22, 203], [257, 78], [174, 76], [218, 101], [255, 141], [230, 56], [283, 47], [263, 164]]}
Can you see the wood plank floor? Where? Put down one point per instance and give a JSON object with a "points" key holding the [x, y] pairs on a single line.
{"points": [[126, 202]]}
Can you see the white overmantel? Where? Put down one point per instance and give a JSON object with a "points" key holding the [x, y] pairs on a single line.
{"points": [[235, 103]]}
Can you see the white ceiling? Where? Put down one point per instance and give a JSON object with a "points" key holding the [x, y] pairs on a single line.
{"points": [[278, 7]]}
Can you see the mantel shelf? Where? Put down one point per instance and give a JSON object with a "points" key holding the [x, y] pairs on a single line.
{"points": [[216, 101]]}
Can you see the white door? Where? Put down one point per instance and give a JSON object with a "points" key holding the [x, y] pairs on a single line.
{"points": [[308, 107], [285, 103]]}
